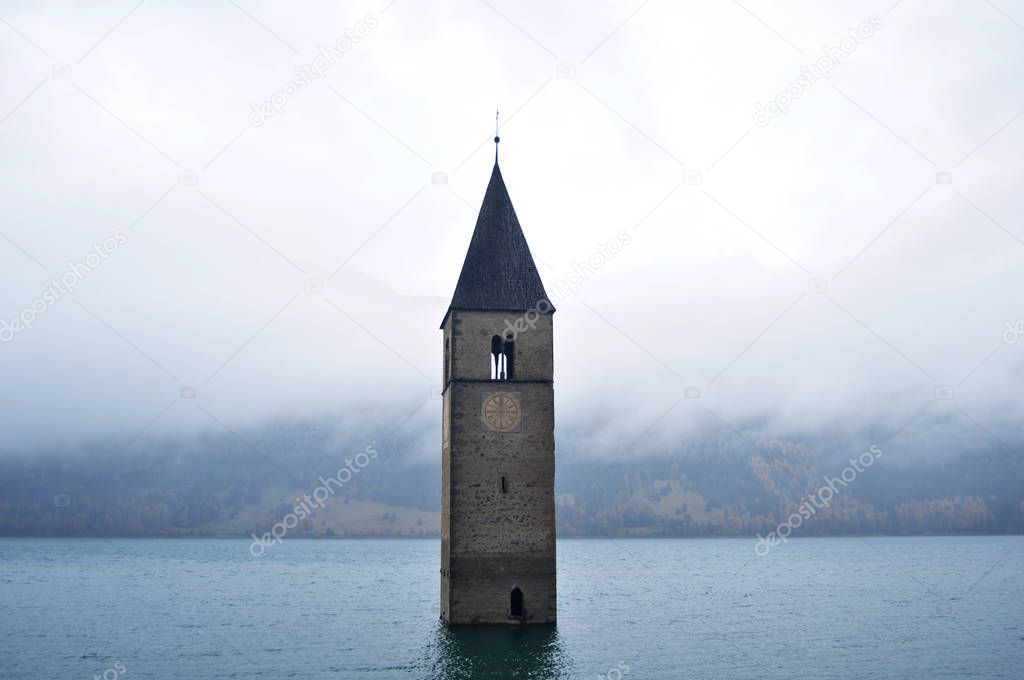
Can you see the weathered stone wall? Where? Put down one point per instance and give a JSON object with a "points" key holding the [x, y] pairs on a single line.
{"points": [[485, 520], [470, 334], [494, 540], [481, 587]]}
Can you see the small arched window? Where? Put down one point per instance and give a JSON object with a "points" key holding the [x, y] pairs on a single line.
{"points": [[502, 354], [497, 358], [510, 354], [447, 359], [504, 484]]}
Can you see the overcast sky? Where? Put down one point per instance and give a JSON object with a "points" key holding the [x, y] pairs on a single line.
{"points": [[812, 269]]}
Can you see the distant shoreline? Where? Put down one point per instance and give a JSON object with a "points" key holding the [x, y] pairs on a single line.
{"points": [[363, 537]]}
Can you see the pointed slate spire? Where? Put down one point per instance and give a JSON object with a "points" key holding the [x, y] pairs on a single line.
{"points": [[499, 272]]}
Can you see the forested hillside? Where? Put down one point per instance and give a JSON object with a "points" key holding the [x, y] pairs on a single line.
{"points": [[228, 485]]}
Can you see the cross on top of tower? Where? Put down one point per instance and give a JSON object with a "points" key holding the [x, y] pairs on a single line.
{"points": [[496, 137]]}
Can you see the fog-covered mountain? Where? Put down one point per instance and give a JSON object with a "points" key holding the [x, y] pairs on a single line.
{"points": [[715, 482]]}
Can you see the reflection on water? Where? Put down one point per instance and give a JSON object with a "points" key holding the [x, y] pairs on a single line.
{"points": [[517, 652]]}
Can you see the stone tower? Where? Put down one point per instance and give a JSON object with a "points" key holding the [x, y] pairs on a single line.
{"points": [[498, 434]]}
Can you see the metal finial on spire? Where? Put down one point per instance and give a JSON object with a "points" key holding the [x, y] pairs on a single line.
{"points": [[496, 137]]}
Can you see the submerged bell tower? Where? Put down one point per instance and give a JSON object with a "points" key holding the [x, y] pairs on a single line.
{"points": [[498, 434]]}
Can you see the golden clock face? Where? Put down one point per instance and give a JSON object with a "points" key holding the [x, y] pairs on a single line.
{"points": [[502, 412]]}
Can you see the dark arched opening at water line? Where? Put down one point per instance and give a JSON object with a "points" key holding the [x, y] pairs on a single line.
{"points": [[516, 605]]}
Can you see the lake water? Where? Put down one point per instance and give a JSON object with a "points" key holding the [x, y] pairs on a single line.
{"points": [[938, 607]]}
